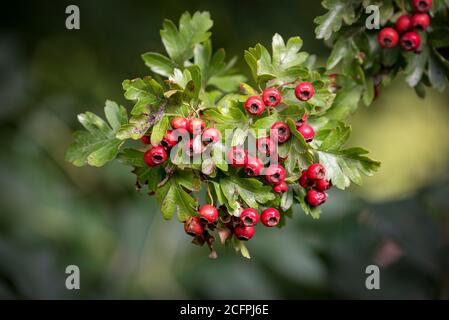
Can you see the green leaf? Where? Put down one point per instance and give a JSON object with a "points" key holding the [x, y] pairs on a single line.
{"points": [[159, 130], [251, 191], [175, 199], [158, 63], [98, 145], [336, 138], [138, 126], [286, 57], [297, 150], [300, 195], [339, 51], [287, 200], [147, 93], [180, 43], [227, 83], [416, 64], [338, 12], [436, 74], [239, 246], [346, 102], [344, 166]]}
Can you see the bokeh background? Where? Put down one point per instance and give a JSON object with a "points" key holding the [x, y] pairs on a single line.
{"points": [[53, 214]]}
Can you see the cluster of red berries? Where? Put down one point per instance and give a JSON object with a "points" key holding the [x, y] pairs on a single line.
{"points": [[407, 26], [314, 180], [198, 138], [243, 227], [271, 97]]}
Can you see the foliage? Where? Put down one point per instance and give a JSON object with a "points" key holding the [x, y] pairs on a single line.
{"points": [[193, 81], [363, 67]]}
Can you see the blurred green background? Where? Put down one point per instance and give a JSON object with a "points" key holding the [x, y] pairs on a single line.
{"points": [[53, 214]]}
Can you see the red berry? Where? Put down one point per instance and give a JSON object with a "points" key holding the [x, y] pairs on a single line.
{"points": [[270, 217], [249, 217], [196, 126], [254, 105], [421, 21], [237, 157], [322, 184], [271, 97], [244, 233], [253, 167], [266, 146], [403, 24], [388, 38], [155, 156], [304, 91], [316, 171], [281, 187], [281, 131], [180, 123], [194, 147], [304, 181], [193, 226], [315, 197], [275, 174], [146, 139], [210, 135], [422, 5], [170, 139], [181, 134], [307, 132], [410, 41], [208, 213]]}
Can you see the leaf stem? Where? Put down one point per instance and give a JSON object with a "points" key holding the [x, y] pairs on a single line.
{"points": [[209, 194]]}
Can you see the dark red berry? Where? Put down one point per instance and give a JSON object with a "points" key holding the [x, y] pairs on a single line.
{"points": [[316, 171], [315, 197], [196, 126], [181, 134], [244, 233], [253, 167], [275, 174], [304, 91], [194, 147], [249, 217], [208, 213], [410, 41], [322, 184], [281, 187], [180, 123], [403, 24], [210, 135], [237, 157], [422, 5], [271, 97], [146, 140], [170, 139], [270, 217], [155, 156], [304, 181], [307, 132], [193, 226], [254, 105], [280, 131], [266, 146], [421, 21], [388, 38]]}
